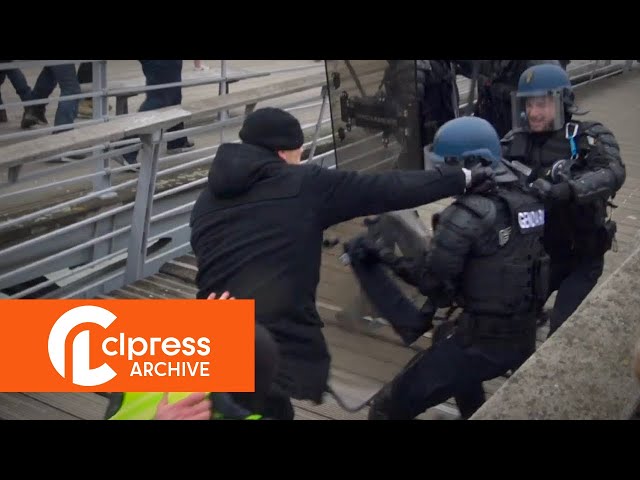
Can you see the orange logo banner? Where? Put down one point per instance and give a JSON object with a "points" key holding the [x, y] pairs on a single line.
{"points": [[127, 346]]}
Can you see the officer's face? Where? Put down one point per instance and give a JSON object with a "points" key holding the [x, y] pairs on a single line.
{"points": [[292, 157], [541, 112]]}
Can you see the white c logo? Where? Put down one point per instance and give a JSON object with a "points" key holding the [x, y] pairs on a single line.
{"points": [[82, 374]]}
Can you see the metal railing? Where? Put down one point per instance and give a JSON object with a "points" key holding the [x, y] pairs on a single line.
{"points": [[101, 89], [122, 229]]}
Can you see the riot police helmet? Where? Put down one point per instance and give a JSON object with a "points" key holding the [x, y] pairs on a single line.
{"points": [[468, 142], [544, 99]]}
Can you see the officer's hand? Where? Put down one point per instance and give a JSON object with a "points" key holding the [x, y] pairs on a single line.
{"points": [[541, 188], [482, 180], [195, 407], [387, 255], [363, 249], [547, 191]]}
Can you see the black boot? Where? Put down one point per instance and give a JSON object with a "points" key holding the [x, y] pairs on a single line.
{"points": [[34, 115]]}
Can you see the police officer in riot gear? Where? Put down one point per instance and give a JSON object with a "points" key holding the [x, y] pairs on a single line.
{"points": [[496, 80], [430, 85], [487, 258], [436, 86], [577, 169]]}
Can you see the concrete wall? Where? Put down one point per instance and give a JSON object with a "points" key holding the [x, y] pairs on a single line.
{"points": [[585, 370]]}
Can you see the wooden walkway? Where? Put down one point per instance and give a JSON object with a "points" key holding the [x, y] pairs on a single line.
{"points": [[364, 360]]}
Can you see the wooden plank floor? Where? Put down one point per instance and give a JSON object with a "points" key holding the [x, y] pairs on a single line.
{"points": [[364, 360]]}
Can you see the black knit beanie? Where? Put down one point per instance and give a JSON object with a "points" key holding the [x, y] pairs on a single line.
{"points": [[272, 128]]}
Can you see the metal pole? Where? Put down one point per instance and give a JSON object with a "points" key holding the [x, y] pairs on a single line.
{"points": [[222, 90], [316, 133], [100, 112], [142, 207]]}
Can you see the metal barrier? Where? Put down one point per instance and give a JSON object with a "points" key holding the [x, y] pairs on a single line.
{"points": [[101, 90], [146, 230], [584, 370], [111, 227]]}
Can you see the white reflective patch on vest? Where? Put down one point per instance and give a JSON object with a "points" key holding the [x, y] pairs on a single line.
{"points": [[532, 219], [503, 236]]}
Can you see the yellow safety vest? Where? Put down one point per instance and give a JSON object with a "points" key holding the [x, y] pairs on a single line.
{"points": [[143, 405]]}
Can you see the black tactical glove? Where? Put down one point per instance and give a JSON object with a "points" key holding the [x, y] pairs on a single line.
{"points": [[483, 180], [548, 191], [363, 249], [561, 171]]}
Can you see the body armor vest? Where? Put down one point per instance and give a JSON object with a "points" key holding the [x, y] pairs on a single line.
{"points": [[542, 153], [511, 279], [569, 226]]}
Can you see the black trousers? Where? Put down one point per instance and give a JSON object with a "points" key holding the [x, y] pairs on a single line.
{"points": [[447, 369], [278, 406], [573, 277], [454, 366], [264, 400], [85, 73], [158, 72]]}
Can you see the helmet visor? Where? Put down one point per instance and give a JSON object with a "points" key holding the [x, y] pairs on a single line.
{"points": [[467, 159], [537, 112]]}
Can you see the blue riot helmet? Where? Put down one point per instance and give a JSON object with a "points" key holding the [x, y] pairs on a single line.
{"points": [[544, 100], [468, 142]]}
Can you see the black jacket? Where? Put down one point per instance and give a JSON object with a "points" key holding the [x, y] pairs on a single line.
{"points": [[257, 233]]}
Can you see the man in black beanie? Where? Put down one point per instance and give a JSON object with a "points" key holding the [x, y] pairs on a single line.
{"points": [[274, 130], [257, 231]]}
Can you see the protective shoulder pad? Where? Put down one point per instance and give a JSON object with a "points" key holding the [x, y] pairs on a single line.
{"points": [[597, 132], [514, 145], [480, 206], [470, 216], [600, 141], [590, 127]]}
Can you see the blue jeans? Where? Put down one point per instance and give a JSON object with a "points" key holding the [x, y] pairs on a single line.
{"points": [[19, 82], [158, 72], [65, 76]]}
